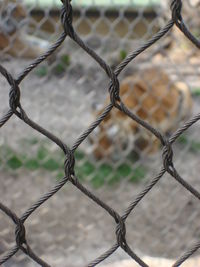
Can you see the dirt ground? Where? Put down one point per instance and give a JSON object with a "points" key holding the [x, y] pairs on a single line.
{"points": [[70, 230]]}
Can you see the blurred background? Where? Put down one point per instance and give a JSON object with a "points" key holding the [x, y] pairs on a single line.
{"points": [[65, 94]]}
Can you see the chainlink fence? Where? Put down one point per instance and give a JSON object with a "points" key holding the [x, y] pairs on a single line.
{"points": [[105, 205]]}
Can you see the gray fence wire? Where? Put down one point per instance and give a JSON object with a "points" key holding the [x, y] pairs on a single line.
{"points": [[115, 102]]}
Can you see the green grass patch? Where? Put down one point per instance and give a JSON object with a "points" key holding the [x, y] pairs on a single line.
{"points": [[98, 180], [124, 170], [122, 54], [114, 179], [32, 164], [107, 174], [79, 155], [41, 71], [51, 165], [42, 153], [196, 92], [193, 146], [85, 169], [65, 59], [138, 174], [58, 68], [183, 140], [60, 175], [14, 163], [6, 151], [101, 175], [105, 169]]}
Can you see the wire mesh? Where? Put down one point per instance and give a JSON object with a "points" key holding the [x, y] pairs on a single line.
{"points": [[116, 103]]}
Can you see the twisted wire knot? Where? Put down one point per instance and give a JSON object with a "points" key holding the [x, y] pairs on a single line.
{"points": [[69, 163], [168, 156], [67, 17], [14, 96], [121, 232], [114, 90], [176, 8], [20, 234]]}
